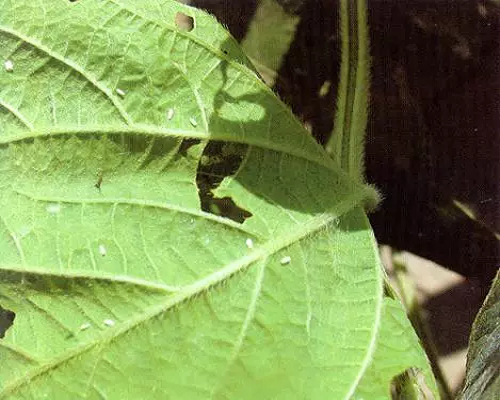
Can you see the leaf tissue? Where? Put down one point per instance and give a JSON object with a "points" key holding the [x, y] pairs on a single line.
{"points": [[151, 186]]}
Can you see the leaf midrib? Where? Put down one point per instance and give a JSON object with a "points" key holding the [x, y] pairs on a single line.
{"points": [[109, 93], [155, 130], [142, 203], [139, 128]]}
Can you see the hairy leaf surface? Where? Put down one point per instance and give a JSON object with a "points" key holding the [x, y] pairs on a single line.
{"points": [[123, 284], [398, 349]]}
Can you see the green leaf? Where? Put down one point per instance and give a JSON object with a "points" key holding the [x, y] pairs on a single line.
{"points": [[124, 285], [346, 144], [398, 349], [482, 379], [269, 37]]}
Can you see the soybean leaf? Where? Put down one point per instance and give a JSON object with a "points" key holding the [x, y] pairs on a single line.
{"points": [[126, 277], [269, 36], [398, 350]]}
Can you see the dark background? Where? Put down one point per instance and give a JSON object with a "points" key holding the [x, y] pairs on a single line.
{"points": [[433, 137]]}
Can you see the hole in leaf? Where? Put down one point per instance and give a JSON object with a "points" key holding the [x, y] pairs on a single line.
{"points": [[186, 145], [184, 22], [220, 160], [409, 383], [6, 320]]}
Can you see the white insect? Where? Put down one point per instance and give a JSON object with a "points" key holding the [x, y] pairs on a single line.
{"points": [[120, 92], [85, 326], [109, 322], [249, 243], [193, 121], [102, 250], [170, 113], [9, 65], [53, 208], [285, 260]]}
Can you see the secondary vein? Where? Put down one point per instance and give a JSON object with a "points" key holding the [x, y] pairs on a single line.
{"points": [[261, 253], [40, 46]]}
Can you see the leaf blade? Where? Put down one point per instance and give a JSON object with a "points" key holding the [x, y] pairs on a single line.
{"points": [[164, 285]]}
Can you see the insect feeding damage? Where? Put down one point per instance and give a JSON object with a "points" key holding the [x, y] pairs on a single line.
{"points": [[6, 320]]}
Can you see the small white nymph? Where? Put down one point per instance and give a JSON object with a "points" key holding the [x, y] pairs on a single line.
{"points": [[85, 326], [285, 260], [170, 113], [9, 65]]}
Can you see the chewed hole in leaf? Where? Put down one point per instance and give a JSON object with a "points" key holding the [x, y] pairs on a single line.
{"points": [[6, 320], [186, 145], [411, 379], [184, 22], [220, 160], [226, 207]]}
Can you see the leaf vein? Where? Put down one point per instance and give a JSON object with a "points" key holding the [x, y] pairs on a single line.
{"points": [[146, 129], [75, 67], [138, 202], [16, 113], [187, 292]]}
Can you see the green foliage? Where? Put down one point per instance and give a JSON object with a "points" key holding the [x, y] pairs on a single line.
{"points": [[483, 359], [269, 37], [123, 283], [398, 350]]}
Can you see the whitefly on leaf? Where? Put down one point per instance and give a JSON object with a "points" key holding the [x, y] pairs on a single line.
{"points": [[9, 65]]}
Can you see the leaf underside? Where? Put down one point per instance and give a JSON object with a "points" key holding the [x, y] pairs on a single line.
{"points": [[123, 286]]}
